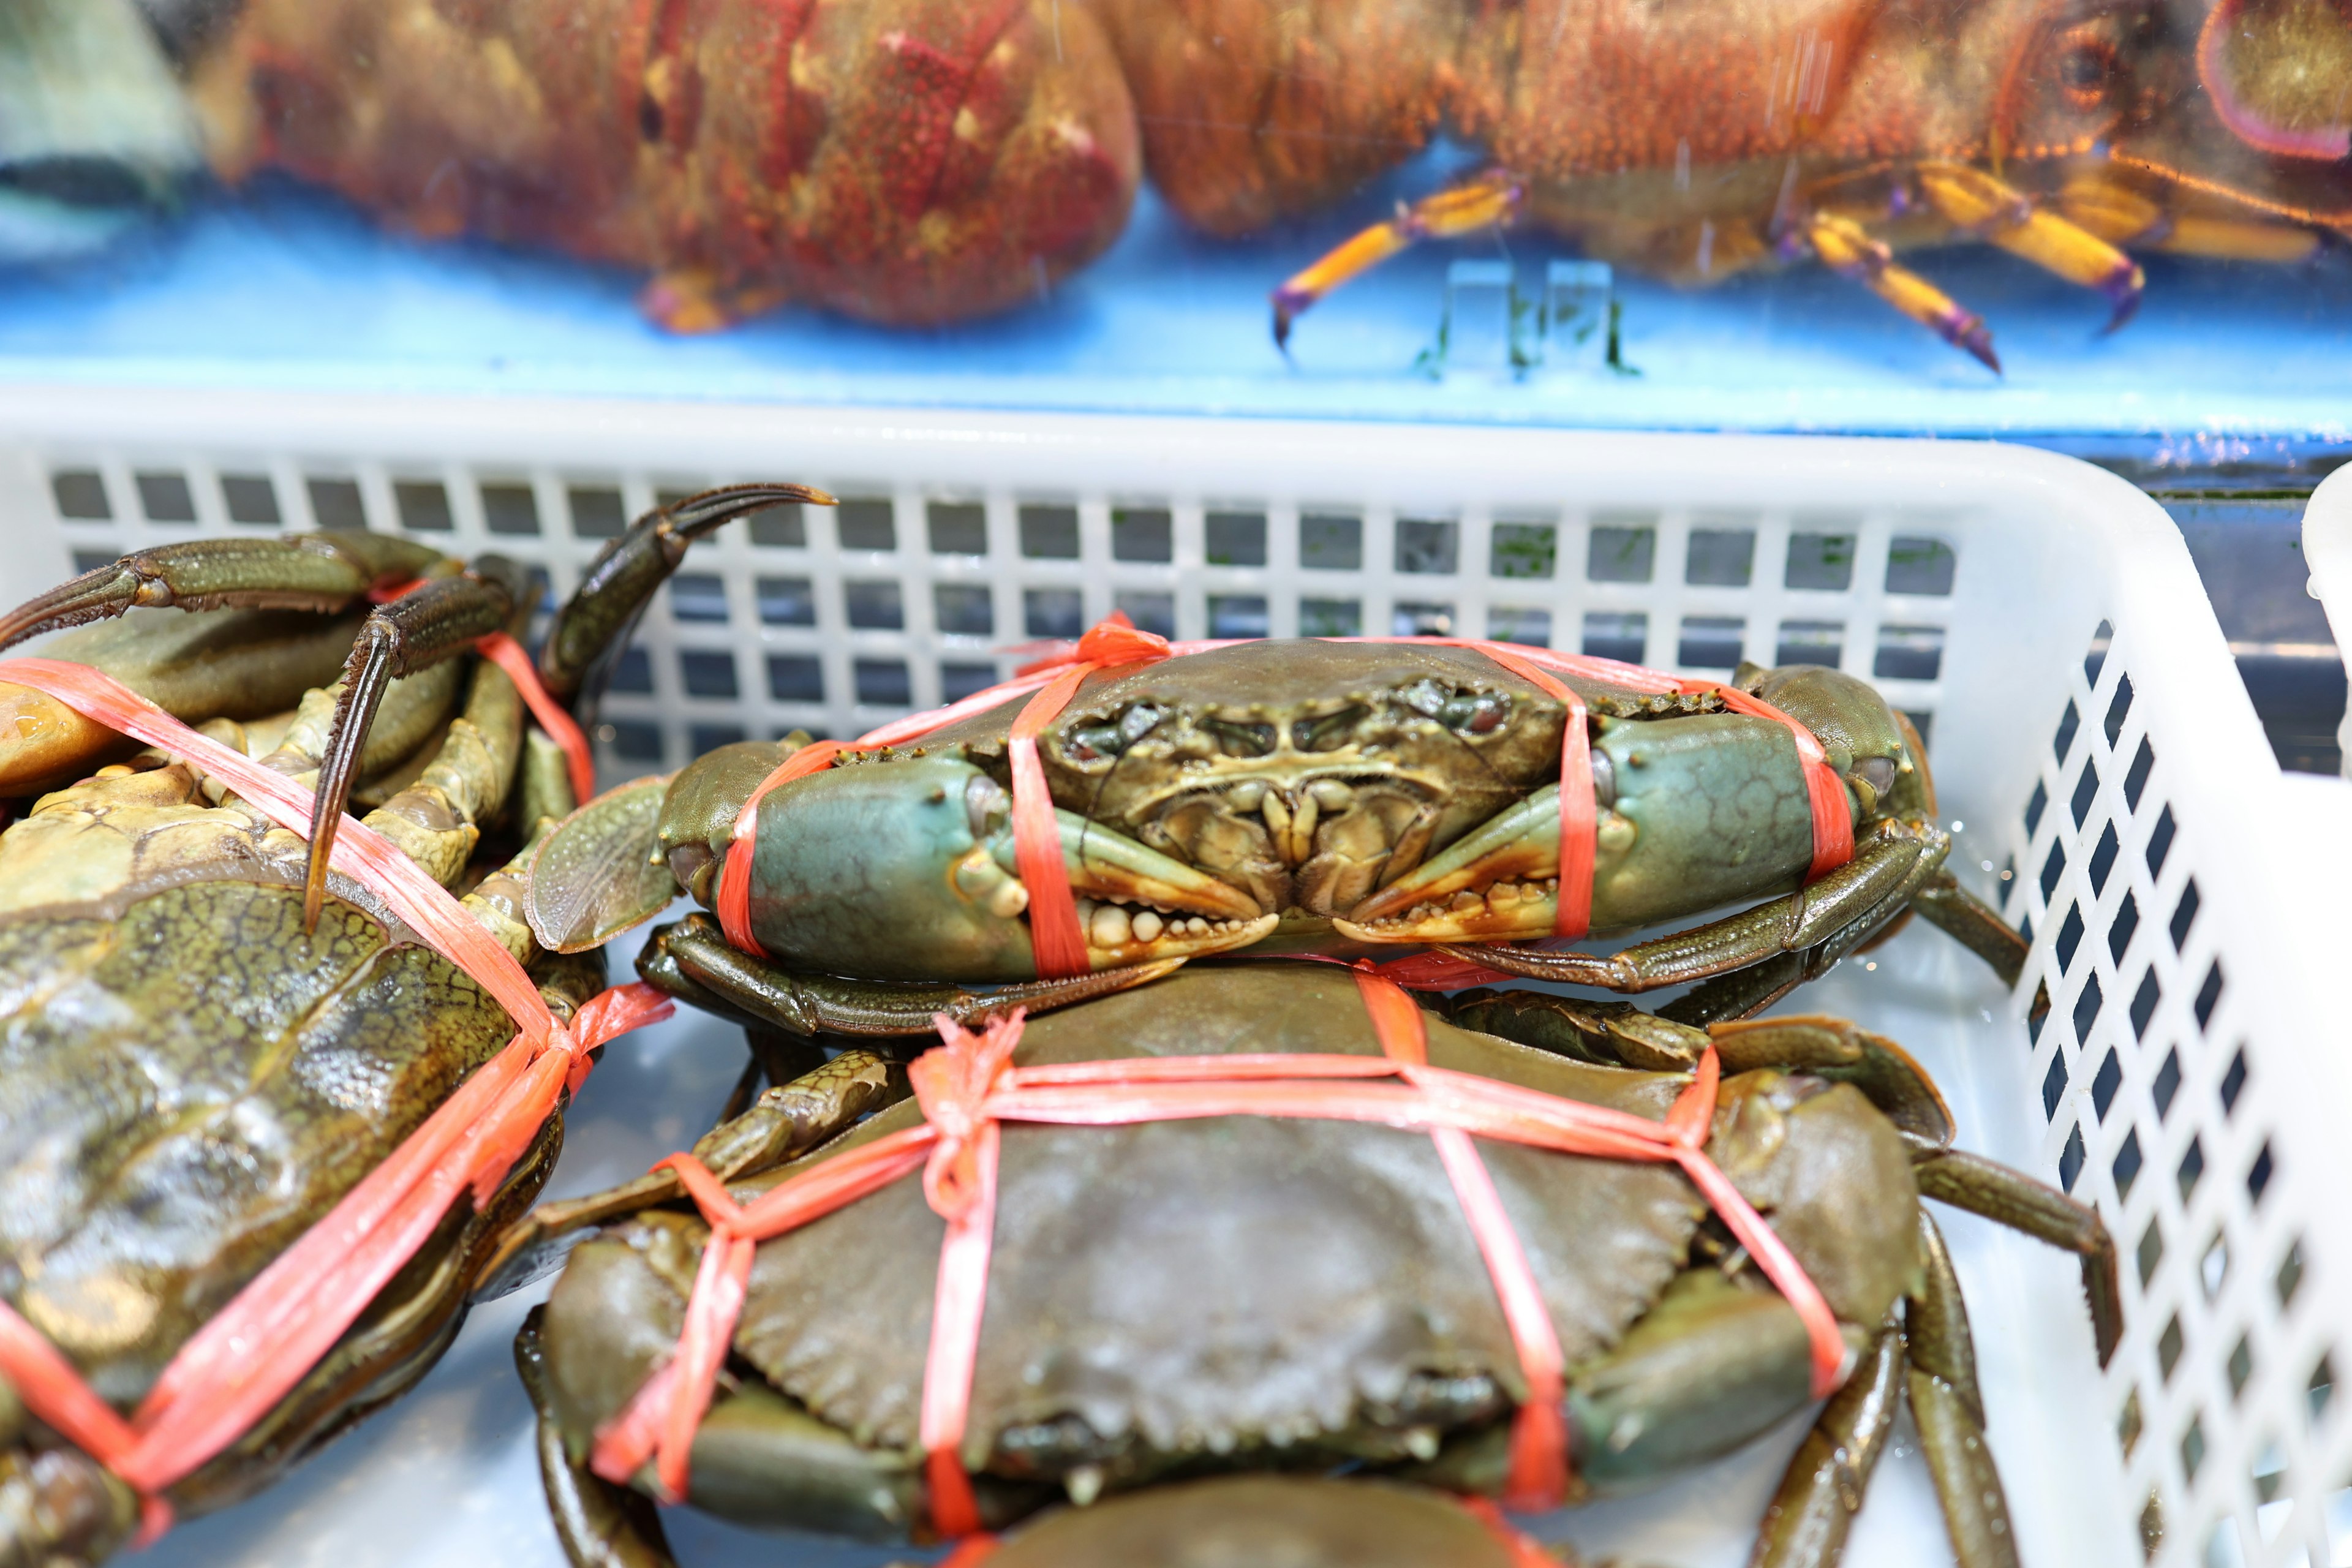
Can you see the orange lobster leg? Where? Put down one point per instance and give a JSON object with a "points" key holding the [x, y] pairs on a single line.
{"points": [[2005, 217], [1485, 203], [1845, 248]]}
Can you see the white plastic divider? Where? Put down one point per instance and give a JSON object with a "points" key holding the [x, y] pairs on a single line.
{"points": [[2327, 549], [2099, 762]]}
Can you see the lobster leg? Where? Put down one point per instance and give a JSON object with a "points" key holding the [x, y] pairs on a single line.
{"points": [[2005, 217], [1821, 1490], [439, 620], [320, 572], [695, 952], [1846, 249], [1487, 202]]}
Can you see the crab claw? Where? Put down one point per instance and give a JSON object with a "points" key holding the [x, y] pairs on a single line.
{"points": [[1691, 813], [904, 870]]}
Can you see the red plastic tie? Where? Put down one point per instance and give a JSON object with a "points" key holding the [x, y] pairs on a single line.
{"points": [[968, 1086], [221, 1381], [1523, 1550]]}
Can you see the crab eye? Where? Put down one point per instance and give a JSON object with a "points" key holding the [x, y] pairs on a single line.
{"points": [[1326, 733], [1425, 697], [1878, 772], [1240, 740], [1477, 714], [1094, 743], [2085, 67], [1139, 720]]}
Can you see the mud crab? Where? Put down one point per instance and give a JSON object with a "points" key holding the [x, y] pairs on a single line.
{"points": [[1244, 1292], [1304, 796], [208, 1037]]}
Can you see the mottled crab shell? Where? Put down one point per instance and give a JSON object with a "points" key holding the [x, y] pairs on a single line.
{"points": [[1198, 1291]]}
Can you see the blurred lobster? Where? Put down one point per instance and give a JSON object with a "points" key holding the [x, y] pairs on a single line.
{"points": [[1696, 142], [905, 162]]}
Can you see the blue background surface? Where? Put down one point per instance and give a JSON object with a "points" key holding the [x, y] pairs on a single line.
{"points": [[282, 286]]}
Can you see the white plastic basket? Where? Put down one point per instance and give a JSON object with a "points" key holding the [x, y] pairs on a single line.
{"points": [[2327, 549], [2098, 761]]}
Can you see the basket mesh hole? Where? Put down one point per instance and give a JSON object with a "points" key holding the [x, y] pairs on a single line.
{"points": [[1049, 612], [2144, 1001], [2086, 1008], [698, 598], [2168, 1083], [1610, 634], [91, 560], [2127, 1425], [701, 738], [1719, 557], [2068, 722], [957, 528], [2109, 1078], [2289, 1278], [963, 609], [1711, 642], [635, 741], [1151, 612], [781, 527], [2241, 1365], [2168, 1346], [2118, 709], [2086, 790], [2094, 658], [2070, 1158], [2233, 1082], [1509, 623], [1820, 561], [2184, 914], [2035, 806], [1424, 546], [874, 604], [866, 522], [883, 682], [2070, 937], [1051, 533], [2054, 1086], [2151, 1524], [80, 495], [597, 513], [2053, 867], [509, 510], [707, 672], [1420, 619], [2136, 781], [787, 601], [1909, 653], [2192, 1454], [633, 671], [166, 498], [2103, 856], [1329, 618], [795, 678], [424, 504], [2320, 1391], [2126, 1166], [2191, 1171], [2120, 929], [1238, 539], [957, 682], [1621, 551], [1331, 542], [1522, 550], [2208, 995], [1149, 533], [1237, 616], [2150, 1252], [1920, 565], [2159, 842], [2213, 1265], [2258, 1175], [1811, 642], [251, 498]]}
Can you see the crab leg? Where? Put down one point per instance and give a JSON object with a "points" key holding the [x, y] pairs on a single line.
{"points": [[320, 572], [693, 951], [2006, 217], [593, 624], [599, 1524], [1487, 202], [1888, 867], [1845, 248], [438, 621], [60, 1505], [1974, 924], [1821, 1490], [2116, 213], [1949, 1410], [2007, 1197]]}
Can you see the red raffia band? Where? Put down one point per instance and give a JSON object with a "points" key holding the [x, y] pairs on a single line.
{"points": [[1060, 946], [255, 1349], [1520, 1550], [967, 1087]]}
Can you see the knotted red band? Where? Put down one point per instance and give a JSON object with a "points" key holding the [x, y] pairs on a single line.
{"points": [[1059, 944], [968, 1086], [237, 1366]]}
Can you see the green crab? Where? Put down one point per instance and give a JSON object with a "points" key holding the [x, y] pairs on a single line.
{"points": [[1284, 796], [1246, 1293]]}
